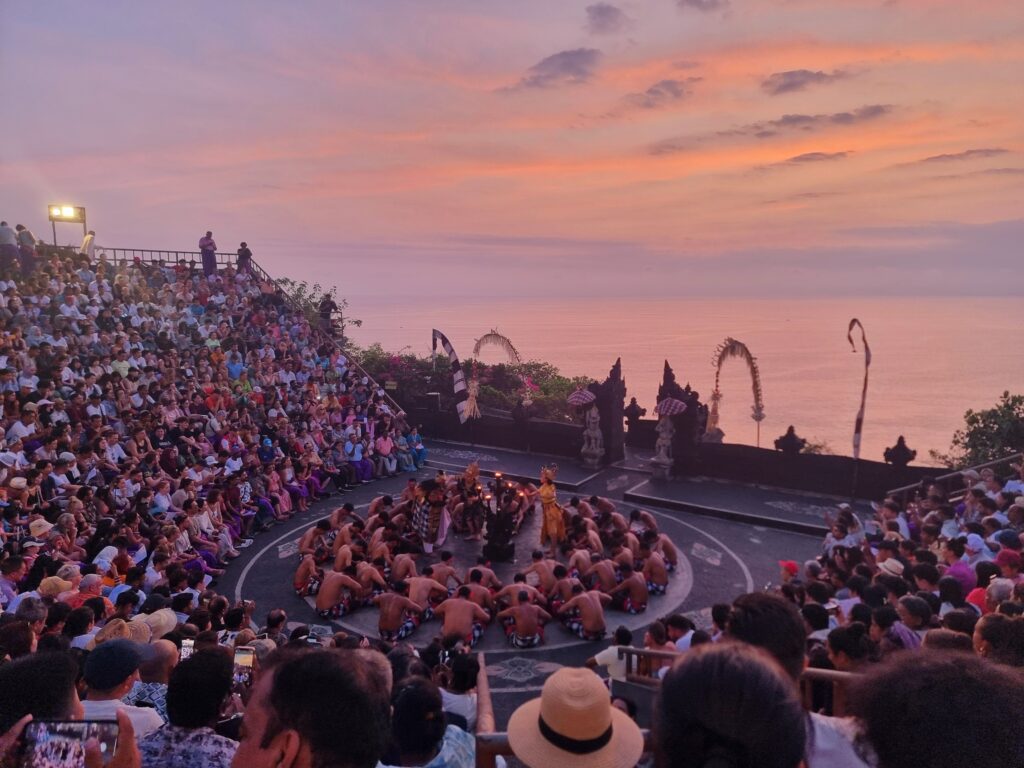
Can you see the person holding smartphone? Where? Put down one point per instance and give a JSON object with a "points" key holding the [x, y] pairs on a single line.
{"points": [[39, 690], [110, 672]]}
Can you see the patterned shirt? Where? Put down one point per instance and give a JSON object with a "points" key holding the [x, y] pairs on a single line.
{"points": [[458, 750], [148, 695], [174, 747]]}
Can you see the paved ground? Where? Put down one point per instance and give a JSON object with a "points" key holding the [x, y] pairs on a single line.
{"points": [[720, 559]]}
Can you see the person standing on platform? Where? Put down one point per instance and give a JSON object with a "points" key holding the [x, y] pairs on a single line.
{"points": [[208, 248], [431, 519], [8, 246], [88, 248], [552, 530], [27, 249], [244, 263]]}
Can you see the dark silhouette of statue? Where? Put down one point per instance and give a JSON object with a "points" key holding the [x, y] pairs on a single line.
{"points": [[899, 455], [633, 413], [689, 425], [611, 399], [790, 444]]}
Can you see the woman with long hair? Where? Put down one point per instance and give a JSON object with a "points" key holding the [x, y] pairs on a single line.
{"points": [[728, 704]]}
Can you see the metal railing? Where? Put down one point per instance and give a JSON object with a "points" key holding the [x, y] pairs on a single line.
{"points": [[491, 744], [952, 482], [124, 256]]}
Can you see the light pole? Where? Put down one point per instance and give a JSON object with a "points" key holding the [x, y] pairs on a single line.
{"points": [[68, 214]]}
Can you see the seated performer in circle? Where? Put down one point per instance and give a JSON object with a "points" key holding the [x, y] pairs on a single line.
{"points": [[524, 622]]}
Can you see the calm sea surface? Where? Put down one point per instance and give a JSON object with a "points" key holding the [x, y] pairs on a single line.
{"points": [[932, 358]]}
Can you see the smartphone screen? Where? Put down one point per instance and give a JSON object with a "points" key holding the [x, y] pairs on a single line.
{"points": [[61, 743], [188, 647], [244, 656]]}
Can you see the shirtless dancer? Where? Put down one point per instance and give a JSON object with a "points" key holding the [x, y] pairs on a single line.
{"points": [[462, 617], [308, 577], [338, 595], [632, 594], [398, 614], [508, 595], [426, 592], [583, 615], [524, 622], [489, 580], [444, 572], [655, 572]]}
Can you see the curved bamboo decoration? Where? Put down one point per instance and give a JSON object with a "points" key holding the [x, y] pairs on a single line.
{"points": [[503, 343], [733, 348]]}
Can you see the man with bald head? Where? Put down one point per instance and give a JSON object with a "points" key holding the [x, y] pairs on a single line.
{"points": [[151, 688]]}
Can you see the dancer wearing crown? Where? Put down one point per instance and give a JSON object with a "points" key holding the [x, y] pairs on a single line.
{"points": [[552, 529]]}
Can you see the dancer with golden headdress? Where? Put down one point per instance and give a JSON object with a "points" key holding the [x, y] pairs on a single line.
{"points": [[552, 528]]}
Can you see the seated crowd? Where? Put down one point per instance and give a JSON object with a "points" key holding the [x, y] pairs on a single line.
{"points": [[156, 419]]}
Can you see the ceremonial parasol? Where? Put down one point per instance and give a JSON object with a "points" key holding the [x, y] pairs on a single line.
{"points": [[670, 406], [581, 397]]}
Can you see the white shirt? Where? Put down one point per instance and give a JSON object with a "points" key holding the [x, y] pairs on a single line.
{"points": [[88, 246], [683, 643], [145, 719], [609, 658], [832, 745], [19, 430], [460, 704]]}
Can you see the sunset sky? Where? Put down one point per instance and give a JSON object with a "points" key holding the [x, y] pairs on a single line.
{"points": [[644, 147]]}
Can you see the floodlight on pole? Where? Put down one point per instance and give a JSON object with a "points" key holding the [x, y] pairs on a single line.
{"points": [[68, 214]]}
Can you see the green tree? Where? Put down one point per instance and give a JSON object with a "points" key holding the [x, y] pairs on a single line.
{"points": [[989, 435], [308, 298]]}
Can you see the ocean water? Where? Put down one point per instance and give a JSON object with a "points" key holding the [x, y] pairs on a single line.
{"points": [[932, 358]]}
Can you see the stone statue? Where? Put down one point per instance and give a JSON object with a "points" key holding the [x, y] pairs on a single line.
{"points": [[790, 443], [900, 454], [633, 413], [662, 461], [593, 439]]}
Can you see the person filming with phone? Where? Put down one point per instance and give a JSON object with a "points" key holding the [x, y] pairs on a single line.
{"points": [[38, 696]]}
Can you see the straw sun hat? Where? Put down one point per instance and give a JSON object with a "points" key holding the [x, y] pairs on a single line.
{"points": [[573, 725]]}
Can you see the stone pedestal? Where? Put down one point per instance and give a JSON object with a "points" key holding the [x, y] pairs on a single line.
{"points": [[661, 467], [593, 439]]}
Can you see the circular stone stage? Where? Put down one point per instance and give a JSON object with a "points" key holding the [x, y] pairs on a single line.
{"points": [[267, 576]]}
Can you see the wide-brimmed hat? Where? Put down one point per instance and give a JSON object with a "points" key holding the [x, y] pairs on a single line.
{"points": [[573, 725], [892, 566], [52, 586], [115, 629], [39, 527], [18, 483], [161, 622]]}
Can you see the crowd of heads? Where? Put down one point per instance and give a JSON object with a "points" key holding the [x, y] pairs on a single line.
{"points": [[156, 419]]}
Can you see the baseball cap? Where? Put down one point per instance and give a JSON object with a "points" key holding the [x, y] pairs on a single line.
{"points": [[1007, 539], [789, 566], [1008, 558], [111, 663]]}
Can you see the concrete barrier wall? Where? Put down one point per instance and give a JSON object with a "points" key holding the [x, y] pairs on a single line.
{"points": [[550, 437]]}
